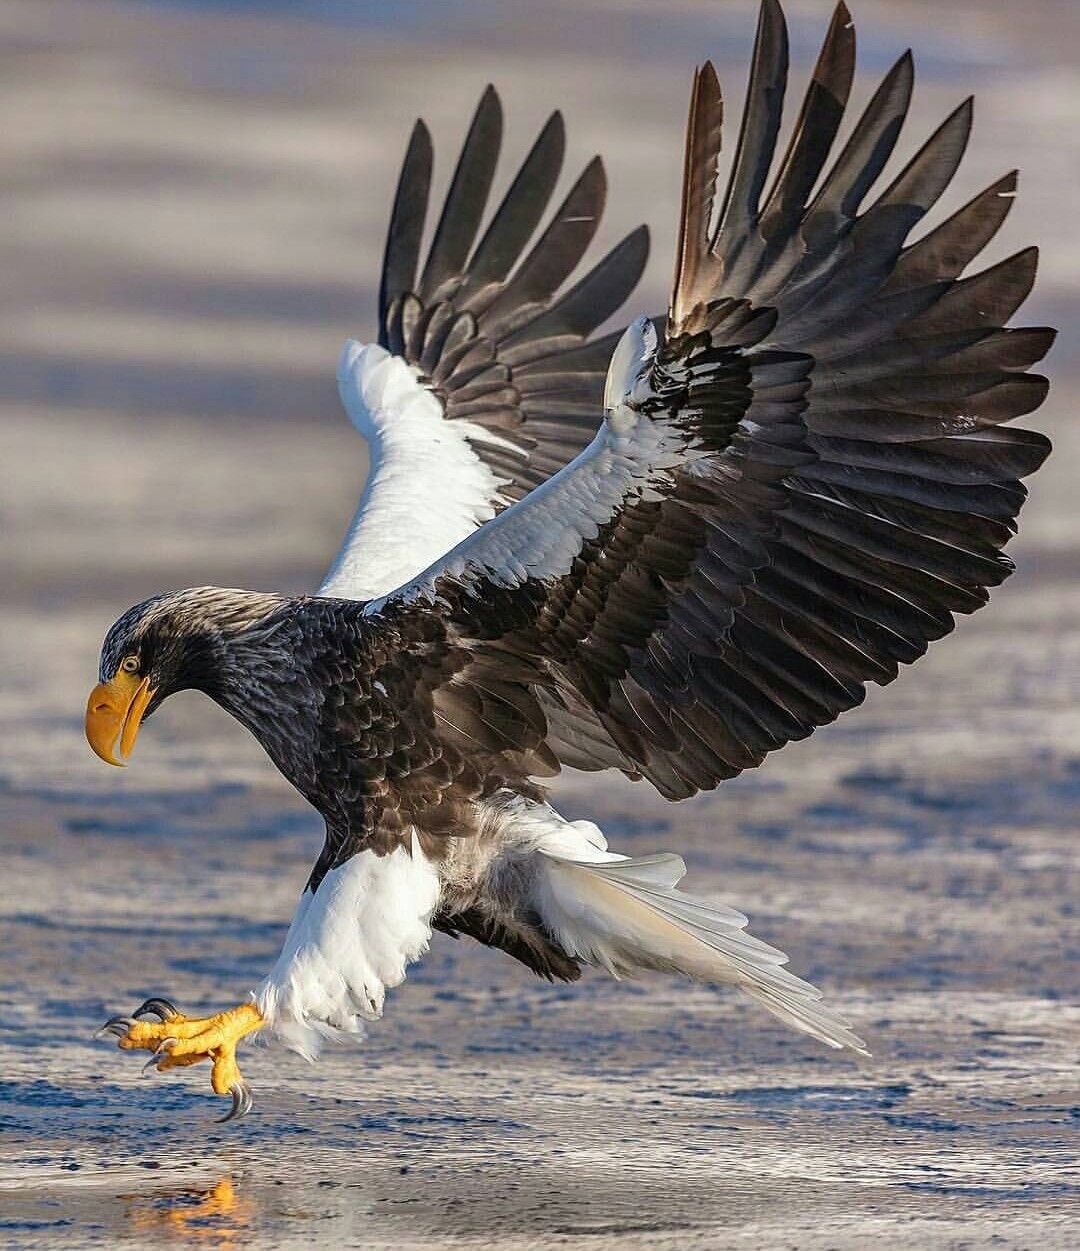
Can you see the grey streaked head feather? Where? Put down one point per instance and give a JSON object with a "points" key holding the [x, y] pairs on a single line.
{"points": [[202, 609]]}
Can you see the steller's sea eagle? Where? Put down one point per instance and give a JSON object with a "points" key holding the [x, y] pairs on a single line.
{"points": [[800, 475]]}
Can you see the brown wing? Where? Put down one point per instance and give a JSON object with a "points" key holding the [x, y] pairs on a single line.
{"points": [[489, 326], [805, 480]]}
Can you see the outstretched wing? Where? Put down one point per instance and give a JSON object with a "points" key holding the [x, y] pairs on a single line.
{"points": [[797, 487], [484, 382]]}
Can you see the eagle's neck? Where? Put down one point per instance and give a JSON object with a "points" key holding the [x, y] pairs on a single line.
{"points": [[284, 678], [261, 676]]}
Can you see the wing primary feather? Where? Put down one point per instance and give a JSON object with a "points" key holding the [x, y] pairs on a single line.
{"points": [[519, 213], [759, 129], [815, 130], [600, 293], [931, 169], [467, 197], [555, 255], [945, 252], [402, 253], [871, 144], [703, 138]]}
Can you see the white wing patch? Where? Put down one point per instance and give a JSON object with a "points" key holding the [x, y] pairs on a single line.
{"points": [[540, 535], [349, 943], [426, 488]]}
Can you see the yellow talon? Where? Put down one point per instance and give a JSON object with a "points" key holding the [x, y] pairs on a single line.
{"points": [[179, 1041]]}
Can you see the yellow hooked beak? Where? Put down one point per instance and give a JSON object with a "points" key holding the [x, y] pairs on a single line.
{"points": [[113, 714]]}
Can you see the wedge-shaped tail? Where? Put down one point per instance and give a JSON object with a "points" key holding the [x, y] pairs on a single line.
{"points": [[627, 915]]}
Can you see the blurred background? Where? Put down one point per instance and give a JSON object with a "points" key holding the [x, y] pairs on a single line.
{"points": [[194, 195]]}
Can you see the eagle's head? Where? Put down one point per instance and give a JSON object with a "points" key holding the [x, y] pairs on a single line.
{"points": [[183, 640]]}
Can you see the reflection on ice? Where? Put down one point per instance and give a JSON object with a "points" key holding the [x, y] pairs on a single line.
{"points": [[221, 1216]]}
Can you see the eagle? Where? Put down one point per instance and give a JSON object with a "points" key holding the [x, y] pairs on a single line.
{"points": [[666, 551]]}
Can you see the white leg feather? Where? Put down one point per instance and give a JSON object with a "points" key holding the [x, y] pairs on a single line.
{"points": [[348, 944]]}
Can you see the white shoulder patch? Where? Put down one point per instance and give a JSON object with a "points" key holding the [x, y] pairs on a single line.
{"points": [[632, 357], [541, 535], [426, 488], [349, 943]]}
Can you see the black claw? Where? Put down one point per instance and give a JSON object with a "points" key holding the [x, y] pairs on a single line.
{"points": [[161, 1049], [163, 1009], [118, 1025], [241, 1102]]}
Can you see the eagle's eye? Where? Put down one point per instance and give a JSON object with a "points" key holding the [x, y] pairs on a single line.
{"points": [[130, 664]]}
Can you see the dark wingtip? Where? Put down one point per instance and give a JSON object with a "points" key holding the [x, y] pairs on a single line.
{"points": [[903, 73], [709, 81], [595, 170], [1047, 448], [1005, 187], [1040, 389], [643, 240], [836, 60], [962, 115], [634, 249], [841, 26], [490, 103], [496, 100], [774, 9], [420, 135], [771, 21], [554, 130]]}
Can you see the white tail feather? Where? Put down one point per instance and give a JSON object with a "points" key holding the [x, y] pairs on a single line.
{"points": [[626, 915]]}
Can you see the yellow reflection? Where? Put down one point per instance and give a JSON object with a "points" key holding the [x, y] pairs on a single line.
{"points": [[220, 1217]]}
